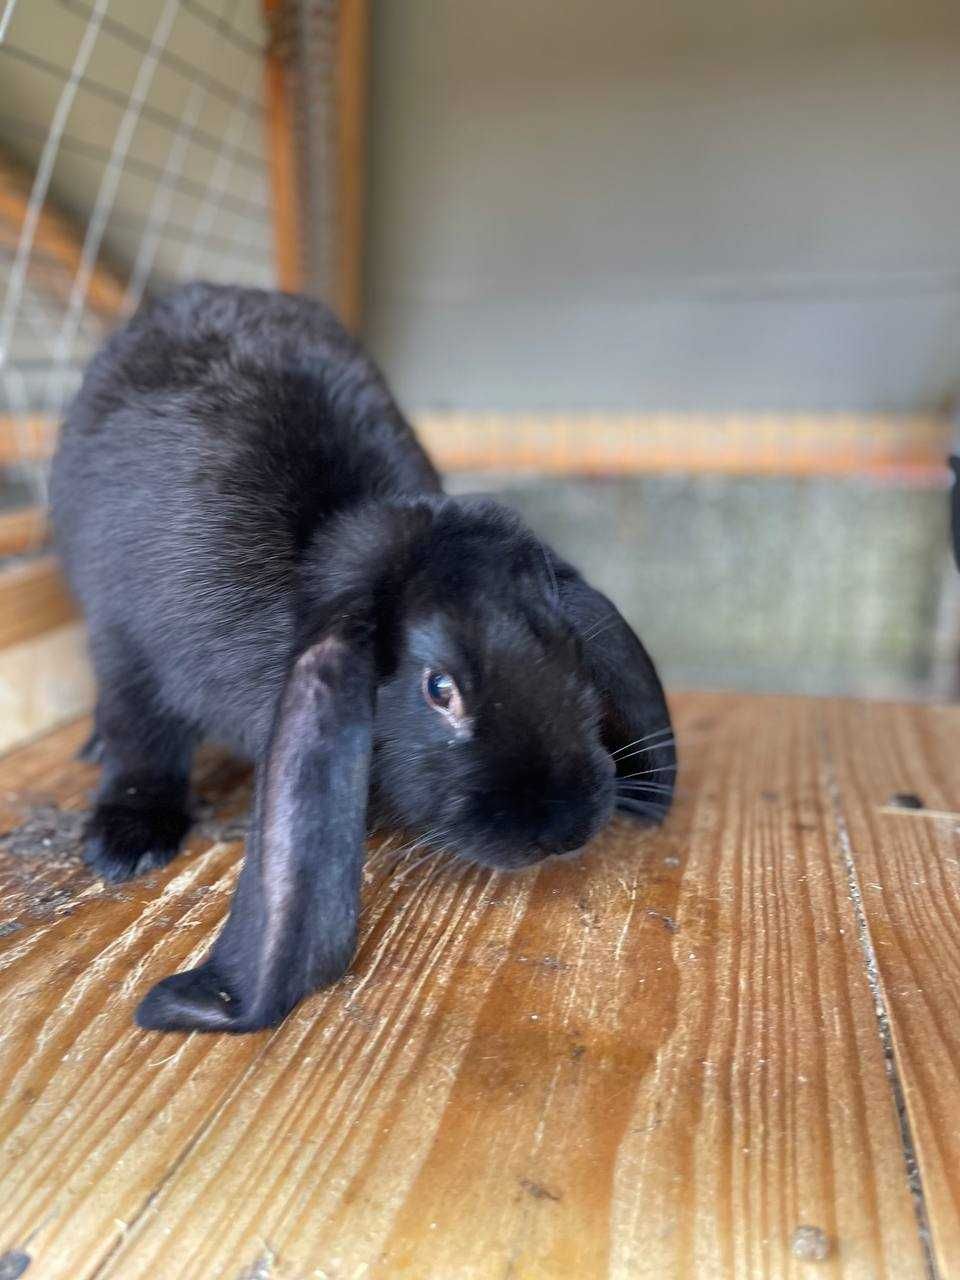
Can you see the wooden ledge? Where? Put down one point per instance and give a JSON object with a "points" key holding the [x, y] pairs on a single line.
{"points": [[903, 450], [33, 599], [22, 531], [900, 450], [26, 438]]}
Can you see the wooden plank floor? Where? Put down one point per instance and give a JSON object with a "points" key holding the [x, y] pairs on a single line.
{"points": [[712, 1051]]}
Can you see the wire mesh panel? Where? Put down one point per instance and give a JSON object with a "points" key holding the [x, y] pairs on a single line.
{"points": [[142, 145], [132, 156]]}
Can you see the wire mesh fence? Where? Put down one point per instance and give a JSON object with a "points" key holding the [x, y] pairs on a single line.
{"points": [[132, 155]]}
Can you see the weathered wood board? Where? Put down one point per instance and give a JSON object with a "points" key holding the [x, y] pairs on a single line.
{"points": [[660, 1060], [908, 878]]}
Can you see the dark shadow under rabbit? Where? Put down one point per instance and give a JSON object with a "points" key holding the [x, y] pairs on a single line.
{"points": [[264, 556]]}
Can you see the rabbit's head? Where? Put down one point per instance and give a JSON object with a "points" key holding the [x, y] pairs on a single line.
{"points": [[489, 727], [456, 674]]}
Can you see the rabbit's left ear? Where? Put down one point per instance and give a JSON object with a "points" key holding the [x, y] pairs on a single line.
{"points": [[636, 724], [293, 921]]}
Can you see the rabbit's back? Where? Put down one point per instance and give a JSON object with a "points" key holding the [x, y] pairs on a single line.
{"points": [[212, 435]]}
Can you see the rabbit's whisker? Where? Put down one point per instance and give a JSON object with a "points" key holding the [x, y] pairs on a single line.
{"points": [[656, 733], [408, 857], [408, 870], [598, 628], [385, 852], [399, 854], [641, 773], [644, 751], [430, 838], [552, 572], [664, 728]]}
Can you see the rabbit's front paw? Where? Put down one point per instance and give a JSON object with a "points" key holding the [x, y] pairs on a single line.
{"points": [[126, 838]]}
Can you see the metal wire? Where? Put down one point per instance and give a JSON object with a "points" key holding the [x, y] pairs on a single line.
{"points": [[110, 180], [41, 183], [6, 17], [158, 116], [193, 74], [142, 168], [223, 28], [187, 197]]}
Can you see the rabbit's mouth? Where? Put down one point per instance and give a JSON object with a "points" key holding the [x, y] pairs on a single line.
{"points": [[507, 855]]}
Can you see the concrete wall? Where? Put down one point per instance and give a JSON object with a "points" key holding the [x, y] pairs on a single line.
{"points": [[773, 584], [749, 205]]}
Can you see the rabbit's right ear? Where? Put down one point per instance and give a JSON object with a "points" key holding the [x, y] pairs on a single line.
{"points": [[636, 725], [293, 921]]}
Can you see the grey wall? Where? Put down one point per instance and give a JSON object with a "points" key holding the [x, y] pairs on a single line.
{"points": [[687, 205]]}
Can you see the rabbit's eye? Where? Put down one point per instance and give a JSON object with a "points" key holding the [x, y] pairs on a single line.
{"points": [[440, 690]]}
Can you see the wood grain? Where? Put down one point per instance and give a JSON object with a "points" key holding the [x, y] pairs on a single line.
{"points": [[23, 530], [281, 145], [353, 32], [908, 877], [33, 599], [26, 438], [659, 1060], [904, 450]]}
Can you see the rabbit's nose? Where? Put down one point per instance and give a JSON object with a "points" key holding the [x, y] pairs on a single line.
{"points": [[551, 846], [571, 830]]}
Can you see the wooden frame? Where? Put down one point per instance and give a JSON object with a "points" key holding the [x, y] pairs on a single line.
{"points": [[338, 153], [29, 439], [353, 30], [33, 599], [22, 530], [908, 449], [281, 146]]}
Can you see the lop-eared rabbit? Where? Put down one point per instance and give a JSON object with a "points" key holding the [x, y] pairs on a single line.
{"points": [[265, 557]]}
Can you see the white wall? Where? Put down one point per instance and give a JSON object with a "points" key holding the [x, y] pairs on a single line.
{"points": [[614, 203]]}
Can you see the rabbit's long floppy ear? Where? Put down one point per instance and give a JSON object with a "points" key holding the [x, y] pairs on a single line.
{"points": [[636, 725], [293, 921]]}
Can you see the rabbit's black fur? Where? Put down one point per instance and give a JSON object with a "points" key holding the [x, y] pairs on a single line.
{"points": [[265, 557]]}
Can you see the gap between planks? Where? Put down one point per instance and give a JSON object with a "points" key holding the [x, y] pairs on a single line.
{"points": [[871, 966], [186, 1150]]}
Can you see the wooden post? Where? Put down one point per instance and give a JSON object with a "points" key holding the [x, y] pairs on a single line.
{"points": [[316, 99], [353, 24], [281, 145]]}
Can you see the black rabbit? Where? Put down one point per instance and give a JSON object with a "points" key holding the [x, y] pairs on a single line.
{"points": [[265, 557]]}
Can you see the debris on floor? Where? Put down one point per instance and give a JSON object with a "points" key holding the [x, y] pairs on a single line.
{"points": [[810, 1244]]}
